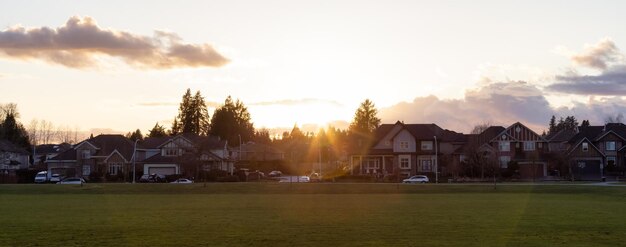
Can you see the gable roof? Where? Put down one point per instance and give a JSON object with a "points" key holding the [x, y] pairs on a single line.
{"points": [[519, 132], [105, 145], [429, 131], [563, 135], [574, 147]]}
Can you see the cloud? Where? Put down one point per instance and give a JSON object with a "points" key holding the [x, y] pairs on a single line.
{"points": [[292, 102], [501, 103], [170, 103], [80, 41], [599, 56], [609, 82]]}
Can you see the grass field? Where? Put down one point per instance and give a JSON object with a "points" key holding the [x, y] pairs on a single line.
{"points": [[249, 214]]}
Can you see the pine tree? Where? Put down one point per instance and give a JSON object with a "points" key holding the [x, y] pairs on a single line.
{"points": [[157, 131], [365, 120], [552, 126], [11, 129], [193, 116]]}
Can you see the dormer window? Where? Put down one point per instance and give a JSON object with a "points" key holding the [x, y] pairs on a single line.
{"points": [[585, 146]]}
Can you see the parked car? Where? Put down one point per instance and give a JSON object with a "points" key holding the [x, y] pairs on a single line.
{"points": [[182, 181], [41, 177], [145, 178], [55, 178], [315, 177], [416, 179], [275, 174], [72, 181], [157, 178]]}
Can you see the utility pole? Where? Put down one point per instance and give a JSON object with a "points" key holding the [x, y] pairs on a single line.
{"points": [[134, 158], [436, 163]]}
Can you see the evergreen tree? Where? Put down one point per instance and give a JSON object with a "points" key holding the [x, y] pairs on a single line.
{"points": [[157, 131], [232, 120], [552, 126], [11, 129], [193, 115], [585, 123], [136, 135], [365, 120]]}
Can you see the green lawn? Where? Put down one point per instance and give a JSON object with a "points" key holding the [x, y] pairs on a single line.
{"points": [[266, 214]]}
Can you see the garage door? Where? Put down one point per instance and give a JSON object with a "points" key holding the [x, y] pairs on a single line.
{"points": [[163, 170], [587, 169], [531, 171]]}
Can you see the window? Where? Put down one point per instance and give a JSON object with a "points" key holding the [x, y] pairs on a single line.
{"points": [[610, 146], [504, 146], [427, 145], [504, 161], [86, 170], [426, 165], [171, 152], [86, 154], [529, 146], [585, 147], [404, 145], [405, 162], [114, 168], [371, 165]]}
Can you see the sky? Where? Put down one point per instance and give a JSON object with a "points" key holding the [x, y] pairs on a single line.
{"points": [[122, 65]]}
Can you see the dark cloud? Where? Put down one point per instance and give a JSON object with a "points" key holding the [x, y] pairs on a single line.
{"points": [[290, 102], [78, 42], [498, 104], [599, 56], [610, 82]]}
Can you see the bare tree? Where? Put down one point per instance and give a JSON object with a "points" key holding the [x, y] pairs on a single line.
{"points": [[614, 119], [479, 128], [33, 132], [46, 131]]}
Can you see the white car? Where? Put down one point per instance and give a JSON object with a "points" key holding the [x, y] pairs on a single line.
{"points": [[41, 177], [275, 174], [182, 181], [72, 181], [55, 178], [416, 179]]}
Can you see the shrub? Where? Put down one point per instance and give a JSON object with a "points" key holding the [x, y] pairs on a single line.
{"points": [[228, 179]]}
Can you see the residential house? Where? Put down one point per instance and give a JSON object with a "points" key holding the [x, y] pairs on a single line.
{"points": [[12, 157], [597, 152], [104, 155], [183, 153], [406, 149], [47, 151], [522, 145]]}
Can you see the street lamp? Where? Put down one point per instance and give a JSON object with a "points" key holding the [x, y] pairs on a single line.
{"points": [[436, 163], [134, 158]]}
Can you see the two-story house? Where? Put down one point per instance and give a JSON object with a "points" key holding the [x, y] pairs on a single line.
{"points": [[12, 157], [406, 149], [597, 152], [103, 155], [528, 149], [182, 153]]}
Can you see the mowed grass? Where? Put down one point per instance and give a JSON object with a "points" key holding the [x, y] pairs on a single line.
{"points": [[266, 214]]}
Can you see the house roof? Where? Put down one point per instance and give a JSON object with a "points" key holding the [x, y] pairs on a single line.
{"points": [[563, 135], [589, 132], [429, 131], [7, 146], [105, 145], [52, 148], [211, 142]]}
